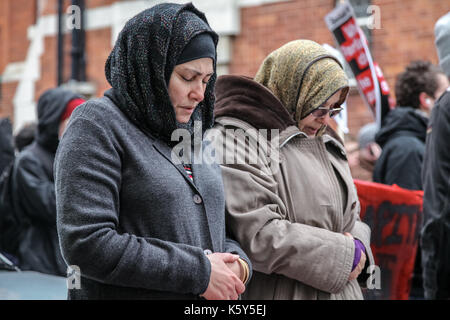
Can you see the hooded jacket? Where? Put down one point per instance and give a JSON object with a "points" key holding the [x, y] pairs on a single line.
{"points": [[289, 198], [402, 139], [34, 192], [129, 216]]}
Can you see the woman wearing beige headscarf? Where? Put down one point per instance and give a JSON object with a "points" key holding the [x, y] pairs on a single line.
{"points": [[290, 198]]}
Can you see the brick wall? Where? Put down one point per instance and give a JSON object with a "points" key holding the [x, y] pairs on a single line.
{"points": [[98, 47], [51, 6], [406, 34], [6, 106], [15, 17]]}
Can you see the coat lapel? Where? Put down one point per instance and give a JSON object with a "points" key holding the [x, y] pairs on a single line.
{"points": [[167, 153], [201, 175]]}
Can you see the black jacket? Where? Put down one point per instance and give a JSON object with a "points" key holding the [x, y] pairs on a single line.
{"points": [[34, 192], [435, 237], [402, 139], [6, 144]]}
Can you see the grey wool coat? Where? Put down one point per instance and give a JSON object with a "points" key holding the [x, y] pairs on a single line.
{"points": [[128, 216]]}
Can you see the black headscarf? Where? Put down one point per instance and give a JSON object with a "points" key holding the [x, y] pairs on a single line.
{"points": [[142, 62]]}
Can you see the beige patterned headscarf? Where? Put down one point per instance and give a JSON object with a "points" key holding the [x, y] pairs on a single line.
{"points": [[303, 75]]}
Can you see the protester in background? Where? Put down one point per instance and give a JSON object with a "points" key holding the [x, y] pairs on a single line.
{"points": [[10, 228], [403, 132], [25, 136], [138, 223], [369, 150], [6, 144], [33, 190], [363, 152], [6, 161], [402, 136], [298, 219], [435, 237]]}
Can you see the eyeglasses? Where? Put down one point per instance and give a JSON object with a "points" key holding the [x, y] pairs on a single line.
{"points": [[321, 112]]}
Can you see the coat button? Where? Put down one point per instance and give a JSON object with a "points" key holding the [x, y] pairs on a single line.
{"points": [[197, 199], [207, 251]]}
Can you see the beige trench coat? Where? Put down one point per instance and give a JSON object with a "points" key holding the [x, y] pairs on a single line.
{"points": [[289, 212]]}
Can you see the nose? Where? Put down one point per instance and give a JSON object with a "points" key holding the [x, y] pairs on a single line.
{"points": [[197, 92]]}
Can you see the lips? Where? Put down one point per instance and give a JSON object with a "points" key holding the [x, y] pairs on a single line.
{"points": [[188, 107], [311, 131]]}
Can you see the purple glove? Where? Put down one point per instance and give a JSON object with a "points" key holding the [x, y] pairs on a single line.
{"points": [[359, 247]]}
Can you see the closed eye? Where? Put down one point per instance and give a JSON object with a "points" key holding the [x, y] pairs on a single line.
{"points": [[205, 80], [186, 79]]}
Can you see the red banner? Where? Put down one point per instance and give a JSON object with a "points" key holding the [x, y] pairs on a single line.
{"points": [[354, 47], [394, 215]]}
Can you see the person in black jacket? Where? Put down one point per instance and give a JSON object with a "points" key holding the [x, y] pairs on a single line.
{"points": [[6, 144], [402, 137], [435, 236], [402, 134], [33, 191], [6, 160]]}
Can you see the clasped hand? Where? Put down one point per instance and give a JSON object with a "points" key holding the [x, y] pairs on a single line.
{"points": [[362, 262], [224, 281]]}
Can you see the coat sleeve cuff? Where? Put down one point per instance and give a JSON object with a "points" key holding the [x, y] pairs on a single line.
{"points": [[347, 262]]}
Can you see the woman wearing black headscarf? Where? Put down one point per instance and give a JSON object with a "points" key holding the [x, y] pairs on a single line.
{"points": [[137, 222]]}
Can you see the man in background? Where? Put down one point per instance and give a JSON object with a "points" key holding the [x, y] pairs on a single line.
{"points": [[403, 132], [435, 237], [33, 190], [402, 137]]}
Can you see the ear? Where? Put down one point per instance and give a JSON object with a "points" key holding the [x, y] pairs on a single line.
{"points": [[425, 101]]}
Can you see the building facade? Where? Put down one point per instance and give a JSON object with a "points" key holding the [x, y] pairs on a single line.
{"points": [[248, 29]]}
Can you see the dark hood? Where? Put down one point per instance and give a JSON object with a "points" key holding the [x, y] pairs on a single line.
{"points": [[241, 97], [51, 105], [402, 121], [142, 60]]}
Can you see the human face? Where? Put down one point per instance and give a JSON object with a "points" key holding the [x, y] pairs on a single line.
{"points": [[311, 124], [426, 101], [187, 86]]}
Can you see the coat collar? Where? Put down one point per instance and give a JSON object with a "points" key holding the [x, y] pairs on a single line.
{"points": [[288, 134]]}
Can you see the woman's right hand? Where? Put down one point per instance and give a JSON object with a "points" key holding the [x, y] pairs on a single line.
{"points": [[362, 262], [223, 283], [359, 268]]}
